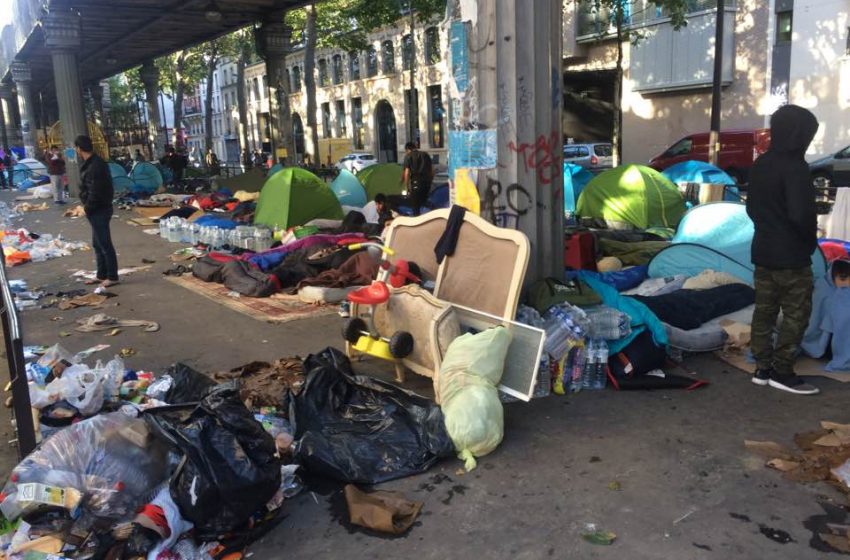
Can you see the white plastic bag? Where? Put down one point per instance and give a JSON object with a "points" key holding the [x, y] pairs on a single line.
{"points": [[469, 375], [83, 389]]}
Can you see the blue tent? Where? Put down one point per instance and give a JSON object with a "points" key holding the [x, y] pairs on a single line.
{"points": [[348, 189], [715, 236], [120, 180], [275, 168], [693, 171], [576, 178], [146, 178]]}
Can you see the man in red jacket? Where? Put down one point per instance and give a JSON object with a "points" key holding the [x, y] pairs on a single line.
{"points": [[56, 170]]}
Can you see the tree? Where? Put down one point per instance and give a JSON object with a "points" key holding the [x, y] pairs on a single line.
{"points": [[213, 52], [245, 53], [344, 24], [614, 13], [178, 73]]}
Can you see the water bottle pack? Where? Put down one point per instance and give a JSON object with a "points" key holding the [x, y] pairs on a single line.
{"points": [[608, 324], [566, 326], [180, 230]]}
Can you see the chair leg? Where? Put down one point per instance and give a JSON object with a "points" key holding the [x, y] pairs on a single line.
{"points": [[399, 371]]}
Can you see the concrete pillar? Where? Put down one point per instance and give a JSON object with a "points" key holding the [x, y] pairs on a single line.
{"points": [[4, 135], [62, 38], [274, 39], [9, 102], [506, 104], [150, 78], [23, 80]]}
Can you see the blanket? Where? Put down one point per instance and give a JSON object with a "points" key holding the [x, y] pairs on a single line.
{"points": [[268, 260], [359, 270], [829, 326], [688, 309]]}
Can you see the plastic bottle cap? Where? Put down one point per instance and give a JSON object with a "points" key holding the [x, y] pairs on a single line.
{"points": [[119, 486]]}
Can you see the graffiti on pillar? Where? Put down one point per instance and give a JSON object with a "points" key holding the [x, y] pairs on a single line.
{"points": [[524, 99], [540, 156], [505, 206]]}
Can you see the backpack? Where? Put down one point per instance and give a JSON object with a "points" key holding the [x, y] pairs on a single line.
{"points": [[545, 293]]}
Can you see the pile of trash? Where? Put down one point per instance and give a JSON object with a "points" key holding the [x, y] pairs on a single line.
{"points": [[22, 246], [189, 466]]}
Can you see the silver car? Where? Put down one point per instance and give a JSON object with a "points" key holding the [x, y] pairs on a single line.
{"points": [[832, 171], [590, 156], [356, 162]]}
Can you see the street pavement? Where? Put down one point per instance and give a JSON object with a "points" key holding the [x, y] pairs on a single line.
{"points": [[685, 486]]}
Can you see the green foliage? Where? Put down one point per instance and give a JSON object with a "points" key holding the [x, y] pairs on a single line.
{"points": [[186, 67]]}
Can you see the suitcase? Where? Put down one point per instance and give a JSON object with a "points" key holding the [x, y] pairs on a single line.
{"points": [[580, 251]]}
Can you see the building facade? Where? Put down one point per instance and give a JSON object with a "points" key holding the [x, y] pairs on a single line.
{"points": [[363, 99]]}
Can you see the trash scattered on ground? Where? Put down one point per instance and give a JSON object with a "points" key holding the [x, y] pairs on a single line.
{"points": [[103, 322], [30, 207], [82, 275], [21, 246], [600, 537], [64, 334], [148, 261], [386, 512], [88, 352], [88, 300], [113, 332], [75, 212], [265, 384], [127, 352], [614, 486], [187, 254]]}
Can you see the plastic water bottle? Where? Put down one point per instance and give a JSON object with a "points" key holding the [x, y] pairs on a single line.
{"points": [[608, 324], [576, 376], [589, 369], [601, 374]]}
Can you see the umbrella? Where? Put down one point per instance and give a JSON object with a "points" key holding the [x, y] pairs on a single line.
{"points": [[120, 180], [693, 171]]}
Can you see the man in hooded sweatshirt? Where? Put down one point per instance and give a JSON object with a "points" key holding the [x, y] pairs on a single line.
{"points": [[781, 203]]}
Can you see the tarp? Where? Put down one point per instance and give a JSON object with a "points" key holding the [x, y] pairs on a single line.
{"points": [[29, 169], [381, 178], [250, 181], [693, 171], [120, 180], [576, 178], [715, 236], [294, 196], [633, 194], [146, 178], [348, 189]]}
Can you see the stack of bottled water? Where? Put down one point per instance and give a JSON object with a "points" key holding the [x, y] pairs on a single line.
{"points": [[595, 369], [565, 326], [608, 324], [179, 230]]}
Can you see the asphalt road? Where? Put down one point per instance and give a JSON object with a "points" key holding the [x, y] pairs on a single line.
{"points": [[687, 487]]}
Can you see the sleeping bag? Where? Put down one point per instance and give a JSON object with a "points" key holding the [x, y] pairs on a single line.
{"points": [[469, 375]]}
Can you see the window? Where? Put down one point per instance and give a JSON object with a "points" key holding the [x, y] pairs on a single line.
{"points": [[437, 116], [296, 79], [388, 53], [338, 74], [407, 52], [256, 84], [265, 84], [323, 72], [681, 148], [603, 150], [411, 109], [357, 122], [340, 118], [784, 26], [353, 66], [432, 46], [326, 120], [372, 62]]}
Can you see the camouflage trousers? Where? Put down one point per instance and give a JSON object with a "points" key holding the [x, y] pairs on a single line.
{"points": [[788, 291]]}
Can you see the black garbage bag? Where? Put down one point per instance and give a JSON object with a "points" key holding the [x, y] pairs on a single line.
{"points": [[189, 385], [229, 469], [361, 430]]}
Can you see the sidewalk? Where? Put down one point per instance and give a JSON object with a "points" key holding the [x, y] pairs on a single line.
{"points": [[688, 488]]}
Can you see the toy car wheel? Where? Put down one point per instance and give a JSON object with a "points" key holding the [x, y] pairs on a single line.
{"points": [[354, 329], [401, 345]]}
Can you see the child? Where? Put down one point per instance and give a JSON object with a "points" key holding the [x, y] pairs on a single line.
{"points": [[829, 328]]}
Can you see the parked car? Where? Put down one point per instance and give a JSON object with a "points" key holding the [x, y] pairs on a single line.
{"points": [[356, 162], [738, 150], [590, 156], [832, 171]]}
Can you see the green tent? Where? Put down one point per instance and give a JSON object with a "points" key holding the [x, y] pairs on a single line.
{"points": [[381, 178], [633, 194], [250, 181], [294, 196]]}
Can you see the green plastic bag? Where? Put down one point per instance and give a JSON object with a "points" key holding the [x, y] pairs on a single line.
{"points": [[469, 375]]}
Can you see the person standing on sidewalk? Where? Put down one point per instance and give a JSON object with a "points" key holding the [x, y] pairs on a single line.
{"points": [[9, 165], [56, 170], [781, 203], [96, 193]]}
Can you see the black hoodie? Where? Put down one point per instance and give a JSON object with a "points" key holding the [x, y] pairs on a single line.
{"points": [[781, 198]]}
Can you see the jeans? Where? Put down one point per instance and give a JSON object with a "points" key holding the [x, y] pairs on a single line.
{"points": [[58, 188], [107, 261]]}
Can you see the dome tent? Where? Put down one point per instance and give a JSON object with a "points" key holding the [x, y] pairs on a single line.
{"points": [[348, 189], [382, 178], [32, 169], [715, 236], [576, 179], [120, 180], [294, 196], [146, 178], [632, 194], [693, 171]]}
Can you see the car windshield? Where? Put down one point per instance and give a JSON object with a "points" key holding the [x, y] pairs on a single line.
{"points": [[602, 150]]}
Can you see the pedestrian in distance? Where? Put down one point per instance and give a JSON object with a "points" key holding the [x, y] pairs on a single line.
{"points": [[3, 169], [9, 164], [417, 176], [56, 170], [96, 193], [213, 164], [781, 203]]}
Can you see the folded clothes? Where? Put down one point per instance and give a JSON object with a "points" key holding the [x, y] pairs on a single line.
{"points": [[688, 309]]}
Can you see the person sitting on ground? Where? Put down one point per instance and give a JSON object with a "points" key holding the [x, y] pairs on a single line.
{"points": [[96, 194], [378, 211]]}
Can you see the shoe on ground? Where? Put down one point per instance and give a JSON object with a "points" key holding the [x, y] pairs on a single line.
{"points": [[792, 384], [762, 376]]}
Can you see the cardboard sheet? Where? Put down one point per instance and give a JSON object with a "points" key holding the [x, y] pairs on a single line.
{"points": [[804, 366]]}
